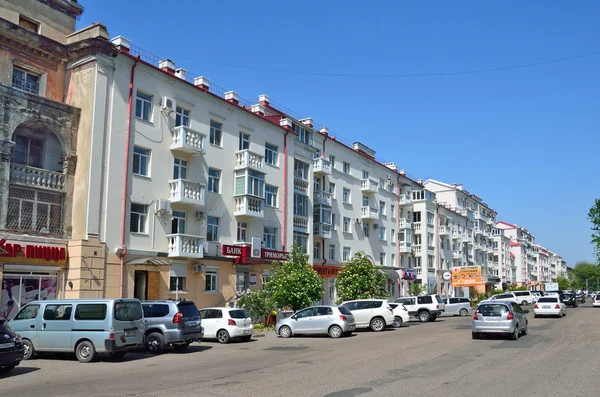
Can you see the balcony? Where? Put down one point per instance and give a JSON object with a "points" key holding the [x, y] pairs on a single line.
{"points": [[444, 230], [322, 230], [416, 249], [247, 159], [322, 198], [369, 213], [249, 206], [477, 215], [186, 192], [456, 234], [405, 247], [405, 199], [369, 186], [456, 254], [185, 140], [430, 250], [37, 178], [185, 246], [300, 223], [301, 185], [405, 223], [489, 221], [478, 230], [321, 166], [430, 228]]}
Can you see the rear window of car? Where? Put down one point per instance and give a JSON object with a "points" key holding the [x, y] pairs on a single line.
{"points": [[157, 310], [376, 304], [344, 310], [439, 299], [90, 311], [128, 311], [424, 299], [492, 310], [188, 310], [548, 299], [464, 300], [522, 293], [5, 328], [238, 314]]}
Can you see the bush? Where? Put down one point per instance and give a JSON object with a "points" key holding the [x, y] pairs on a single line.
{"points": [[360, 279], [257, 304]]}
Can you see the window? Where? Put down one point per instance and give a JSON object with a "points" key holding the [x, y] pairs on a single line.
{"points": [[34, 210], [271, 195], [178, 222], [90, 311], [141, 161], [28, 151], [57, 312], [128, 311], [28, 24], [424, 300], [366, 228], [301, 240], [382, 258], [430, 261], [333, 223], [265, 276], [179, 169], [270, 238], [382, 208], [316, 250], [317, 154], [393, 260], [430, 218], [242, 230], [417, 216], [382, 232], [26, 81], [365, 174], [316, 184], [300, 205], [216, 132], [331, 252], [365, 201], [346, 225], [250, 182], [332, 161], [303, 134], [210, 284], [271, 155], [177, 283], [332, 190], [346, 168], [346, 195], [182, 117], [392, 210], [301, 170], [244, 141], [214, 180], [212, 229], [143, 106], [346, 251], [138, 217], [393, 235]]}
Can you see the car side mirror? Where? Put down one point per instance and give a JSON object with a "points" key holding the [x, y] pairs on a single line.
{"points": [[525, 311], [294, 318]]}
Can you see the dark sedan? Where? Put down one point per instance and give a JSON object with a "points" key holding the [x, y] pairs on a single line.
{"points": [[569, 300], [11, 348]]}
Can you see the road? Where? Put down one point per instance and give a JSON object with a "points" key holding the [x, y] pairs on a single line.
{"points": [[559, 357]]}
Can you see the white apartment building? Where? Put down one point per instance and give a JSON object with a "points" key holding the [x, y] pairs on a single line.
{"points": [[521, 243], [541, 262], [503, 259]]}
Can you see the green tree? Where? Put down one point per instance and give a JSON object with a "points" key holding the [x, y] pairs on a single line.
{"points": [[416, 289], [594, 217], [295, 284], [585, 272], [258, 304], [563, 283], [360, 279]]}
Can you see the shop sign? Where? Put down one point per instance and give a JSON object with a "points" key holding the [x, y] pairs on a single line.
{"points": [[33, 252], [244, 252], [327, 271], [409, 274], [468, 276]]}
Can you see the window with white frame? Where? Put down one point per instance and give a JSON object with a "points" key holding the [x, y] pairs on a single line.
{"points": [[332, 161], [265, 276], [382, 208], [177, 283], [182, 117], [317, 250], [303, 134], [346, 225], [430, 261], [331, 252], [393, 235], [271, 154], [301, 241], [346, 195], [301, 205], [332, 190], [210, 284], [141, 161], [333, 221], [212, 229], [365, 174], [216, 133], [346, 252], [250, 182], [178, 222], [244, 141], [392, 210], [26, 81], [138, 217], [301, 170], [365, 201], [317, 154], [382, 232], [382, 258], [430, 218], [143, 106], [393, 260], [271, 195], [214, 180], [270, 238], [316, 184], [179, 168], [366, 229], [28, 151], [242, 232], [346, 168]]}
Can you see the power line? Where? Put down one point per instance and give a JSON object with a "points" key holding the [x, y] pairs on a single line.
{"points": [[299, 72]]}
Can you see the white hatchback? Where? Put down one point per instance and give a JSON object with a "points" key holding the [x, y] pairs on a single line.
{"points": [[549, 306], [400, 314], [225, 323], [596, 302]]}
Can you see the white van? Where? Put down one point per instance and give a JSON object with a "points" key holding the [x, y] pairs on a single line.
{"points": [[82, 326], [524, 297]]}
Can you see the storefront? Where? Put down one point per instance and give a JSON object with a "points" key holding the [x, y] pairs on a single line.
{"points": [[30, 271], [329, 274], [392, 283]]}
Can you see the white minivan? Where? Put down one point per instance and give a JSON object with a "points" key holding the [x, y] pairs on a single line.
{"points": [[525, 297]]}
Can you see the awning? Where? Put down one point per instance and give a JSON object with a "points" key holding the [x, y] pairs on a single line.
{"points": [[156, 261], [391, 274]]}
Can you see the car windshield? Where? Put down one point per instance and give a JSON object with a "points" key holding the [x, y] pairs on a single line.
{"points": [[188, 310], [128, 311], [492, 310], [239, 313], [546, 300], [345, 311]]}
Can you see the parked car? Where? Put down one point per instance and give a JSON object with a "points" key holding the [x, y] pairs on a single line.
{"points": [[524, 297], [328, 320], [167, 322], [225, 323], [596, 302], [83, 326], [500, 317], [537, 295], [400, 314], [11, 348], [549, 306], [423, 307], [568, 300], [457, 306], [375, 314], [507, 296]]}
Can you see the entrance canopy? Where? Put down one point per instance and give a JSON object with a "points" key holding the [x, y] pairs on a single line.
{"points": [[156, 261]]}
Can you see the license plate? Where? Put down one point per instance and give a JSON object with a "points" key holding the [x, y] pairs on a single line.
{"points": [[192, 323], [247, 331], [7, 345], [130, 334], [491, 318], [546, 307]]}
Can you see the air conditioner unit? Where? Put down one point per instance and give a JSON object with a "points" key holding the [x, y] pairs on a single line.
{"points": [[199, 214], [376, 226], [198, 268], [162, 206], [167, 104], [357, 221]]}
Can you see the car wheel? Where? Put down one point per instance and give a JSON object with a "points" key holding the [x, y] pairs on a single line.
{"points": [[463, 312], [475, 335], [181, 346], [535, 316], [515, 334], [6, 368], [155, 343], [424, 316], [246, 338], [85, 351], [29, 350], [377, 324], [285, 331], [397, 322], [118, 354], [335, 332], [223, 336], [524, 303]]}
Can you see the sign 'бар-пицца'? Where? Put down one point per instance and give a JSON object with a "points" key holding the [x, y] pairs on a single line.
{"points": [[30, 251]]}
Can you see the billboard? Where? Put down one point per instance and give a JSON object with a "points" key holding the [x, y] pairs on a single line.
{"points": [[466, 276]]}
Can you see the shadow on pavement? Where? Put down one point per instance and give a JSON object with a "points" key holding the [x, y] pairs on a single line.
{"points": [[19, 371]]}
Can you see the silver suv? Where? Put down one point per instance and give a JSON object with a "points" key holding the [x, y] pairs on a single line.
{"points": [[168, 322]]}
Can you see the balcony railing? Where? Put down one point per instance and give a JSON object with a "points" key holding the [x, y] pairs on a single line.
{"points": [[430, 249], [444, 230], [322, 198], [187, 140], [417, 226], [405, 199], [300, 223], [478, 230], [456, 254], [322, 166], [405, 223], [369, 186], [249, 206], [416, 249], [248, 159], [301, 185], [185, 245], [37, 178], [186, 192], [456, 234], [369, 213], [322, 230], [405, 247]]}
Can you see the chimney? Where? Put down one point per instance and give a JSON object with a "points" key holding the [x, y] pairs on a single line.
{"points": [[324, 131], [307, 122], [403, 172], [286, 123], [122, 43], [420, 181], [166, 65], [202, 82], [181, 73], [258, 109], [263, 99], [232, 97]]}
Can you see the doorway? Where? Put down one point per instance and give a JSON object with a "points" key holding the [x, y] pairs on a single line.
{"points": [[140, 285]]}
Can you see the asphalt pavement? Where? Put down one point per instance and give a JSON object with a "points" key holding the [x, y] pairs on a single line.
{"points": [[558, 357]]}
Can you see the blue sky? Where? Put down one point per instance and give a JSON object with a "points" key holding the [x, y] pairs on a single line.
{"points": [[526, 140]]}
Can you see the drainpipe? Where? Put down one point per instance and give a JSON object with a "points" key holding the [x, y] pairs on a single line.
{"points": [[126, 177], [398, 215], [285, 188]]}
